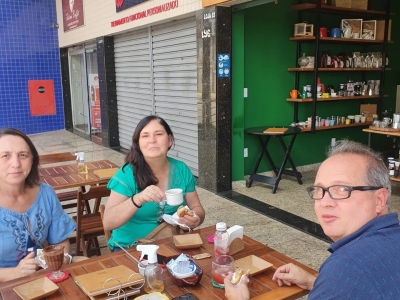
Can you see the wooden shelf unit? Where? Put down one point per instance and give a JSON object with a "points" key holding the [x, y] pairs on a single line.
{"points": [[338, 69], [359, 124], [335, 40], [320, 9], [334, 98], [330, 9]]}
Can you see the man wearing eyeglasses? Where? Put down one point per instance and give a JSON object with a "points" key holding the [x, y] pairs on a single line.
{"points": [[351, 195]]}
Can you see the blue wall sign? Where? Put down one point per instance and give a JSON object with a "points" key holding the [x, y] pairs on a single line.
{"points": [[223, 65]]}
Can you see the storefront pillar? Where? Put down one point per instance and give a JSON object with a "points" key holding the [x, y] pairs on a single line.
{"points": [[214, 97], [108, 91]]}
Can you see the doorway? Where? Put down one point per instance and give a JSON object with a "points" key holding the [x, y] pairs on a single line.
{"points": [[85, 94]]}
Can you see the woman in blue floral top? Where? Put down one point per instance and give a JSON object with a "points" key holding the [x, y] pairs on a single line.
{"points": [[30, 212]]}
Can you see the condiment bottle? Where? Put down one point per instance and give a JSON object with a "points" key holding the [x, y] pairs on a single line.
{"points": [[221, 240], [321, 84], [153, 279], [82, 168]]}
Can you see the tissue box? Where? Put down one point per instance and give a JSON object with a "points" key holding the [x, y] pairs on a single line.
{"points": [[235, 239]]}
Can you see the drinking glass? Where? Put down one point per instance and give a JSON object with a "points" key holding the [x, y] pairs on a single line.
{"points": [[54, 257], [222, 266]]}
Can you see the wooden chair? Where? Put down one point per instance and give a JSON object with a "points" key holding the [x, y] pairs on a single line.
{"points": [[89, 225], [52, 158], [107, 233]]}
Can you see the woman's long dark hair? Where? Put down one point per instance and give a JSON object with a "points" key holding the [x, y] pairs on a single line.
{"points": [[33, 176], [143, 174]]}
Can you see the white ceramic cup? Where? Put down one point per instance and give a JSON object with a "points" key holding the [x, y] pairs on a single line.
{"points": [[174, 197], [357, 118], [363, 119], [356, 35]]}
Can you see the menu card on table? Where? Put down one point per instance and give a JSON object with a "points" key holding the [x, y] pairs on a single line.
{"points": [[110, 280], [275, 130]]}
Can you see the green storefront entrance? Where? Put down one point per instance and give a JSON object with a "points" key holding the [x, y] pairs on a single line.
{"points": [[261, 55]]}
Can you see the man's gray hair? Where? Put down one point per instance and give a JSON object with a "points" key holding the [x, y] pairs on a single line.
{"points": [[377, 173]]}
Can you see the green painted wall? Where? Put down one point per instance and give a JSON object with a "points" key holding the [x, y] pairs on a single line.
{"points": [[261, 55]]}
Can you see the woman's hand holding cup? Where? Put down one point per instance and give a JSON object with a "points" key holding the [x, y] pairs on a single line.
{"points": [[150, 194]]}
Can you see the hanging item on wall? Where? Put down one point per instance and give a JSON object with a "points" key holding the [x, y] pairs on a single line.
{"points": [[73, 15], [302, 29]]}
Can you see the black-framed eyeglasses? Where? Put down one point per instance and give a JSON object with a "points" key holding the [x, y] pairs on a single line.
{"points": [[337, 192]]}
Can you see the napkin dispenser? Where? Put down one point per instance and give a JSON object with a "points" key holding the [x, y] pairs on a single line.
{"points": [[235, 239]]}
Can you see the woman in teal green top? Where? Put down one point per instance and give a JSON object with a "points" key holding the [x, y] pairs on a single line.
{"points": [[133, 210]]}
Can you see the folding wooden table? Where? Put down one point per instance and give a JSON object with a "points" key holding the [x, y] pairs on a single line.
{"points": [[264, 135]]}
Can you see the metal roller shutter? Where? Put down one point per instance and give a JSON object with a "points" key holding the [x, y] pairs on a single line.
{"points": [[157, 74], [134, 82], [175, 85]]}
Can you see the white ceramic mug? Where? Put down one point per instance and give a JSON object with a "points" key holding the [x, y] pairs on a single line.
{"points": [[357, 118], [363, 119], [174, 197], [356, 35]]}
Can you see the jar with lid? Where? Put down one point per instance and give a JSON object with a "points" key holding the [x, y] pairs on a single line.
{"points": [[303, 60], [221, 240]]}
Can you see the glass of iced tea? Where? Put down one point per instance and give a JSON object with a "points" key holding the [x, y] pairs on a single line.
{"points": [[222, 266]]}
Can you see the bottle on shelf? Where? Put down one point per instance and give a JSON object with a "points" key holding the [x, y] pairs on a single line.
{"points": [[321, 84], [221, 240], [350, 86]]}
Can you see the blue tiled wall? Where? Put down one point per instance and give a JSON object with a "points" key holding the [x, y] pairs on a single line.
{"points": [[28, 51]]}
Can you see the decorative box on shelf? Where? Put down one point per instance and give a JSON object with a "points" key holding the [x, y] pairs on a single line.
{"points": [[303, 29], [369, 30], [357, 4]]}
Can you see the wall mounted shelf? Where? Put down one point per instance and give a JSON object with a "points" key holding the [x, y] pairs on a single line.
{"points": [[337, 126], [334, 98], [335, 40], [337, 69], [320, 10], [328, 9]]}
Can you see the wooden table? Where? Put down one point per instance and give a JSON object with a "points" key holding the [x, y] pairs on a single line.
{"points": [[261, 286], [67, 176], [263, 139], [388, 133]]}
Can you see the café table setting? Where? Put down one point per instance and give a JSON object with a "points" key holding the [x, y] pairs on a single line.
{"points": [[261, 260], [183, 266]]}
